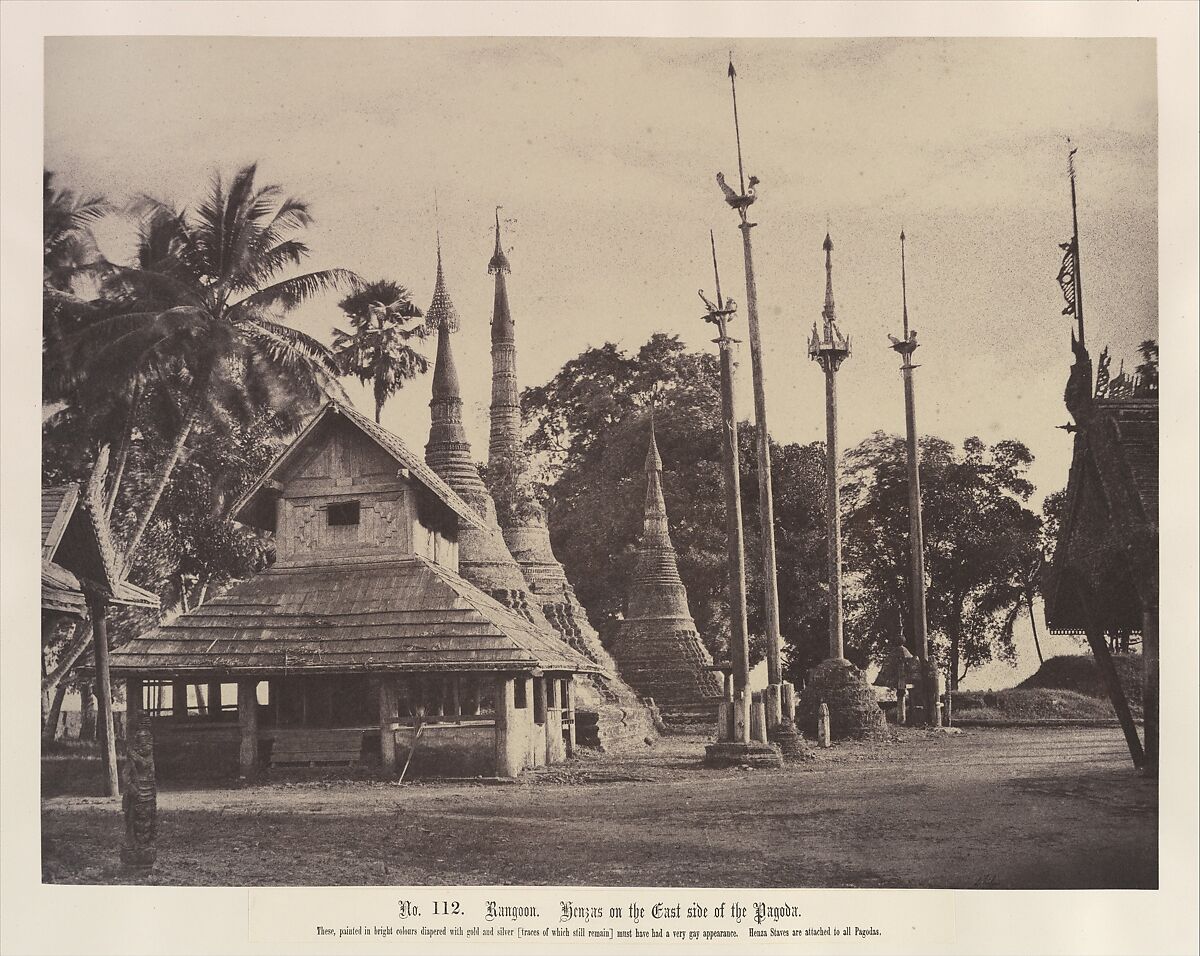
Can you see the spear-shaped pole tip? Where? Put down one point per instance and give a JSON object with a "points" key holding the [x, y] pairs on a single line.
{"points": [[716, 275]]}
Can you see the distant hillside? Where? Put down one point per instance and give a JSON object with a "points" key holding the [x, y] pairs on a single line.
{"points": [[1078, 672]]}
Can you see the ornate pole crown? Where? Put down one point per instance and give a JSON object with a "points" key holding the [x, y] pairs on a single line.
{"points": [[908, 344], [830, 348]]}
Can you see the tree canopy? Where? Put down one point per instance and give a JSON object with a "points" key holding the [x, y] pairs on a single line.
{"points": [[589, 433]]}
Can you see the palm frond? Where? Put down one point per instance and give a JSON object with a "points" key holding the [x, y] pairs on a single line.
{"points": [[293, 292]]}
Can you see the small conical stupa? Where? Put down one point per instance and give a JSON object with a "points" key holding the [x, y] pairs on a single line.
{"points": [[657, 645]]}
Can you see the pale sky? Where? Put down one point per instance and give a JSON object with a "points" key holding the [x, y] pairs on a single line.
{"points": [[603, 155]]}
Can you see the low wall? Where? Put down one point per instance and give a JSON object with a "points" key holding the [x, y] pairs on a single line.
{"points": [[466, 749]]}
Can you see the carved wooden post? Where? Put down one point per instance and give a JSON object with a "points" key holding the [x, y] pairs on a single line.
{"points": [[248, 724], [387, 719], [140, 802], [108, 741]]}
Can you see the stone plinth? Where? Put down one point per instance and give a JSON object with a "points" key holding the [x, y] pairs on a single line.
{"points": [[853, 709], [731, 754]]}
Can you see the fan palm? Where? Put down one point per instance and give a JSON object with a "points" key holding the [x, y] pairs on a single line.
{"points": [[376, 350], [199, 320]]}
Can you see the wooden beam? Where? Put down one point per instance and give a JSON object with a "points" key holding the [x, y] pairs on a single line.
{"points": [[108, 737], [1116, 693]]}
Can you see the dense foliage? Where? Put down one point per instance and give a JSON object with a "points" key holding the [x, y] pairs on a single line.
{"points": [[590, 427]]}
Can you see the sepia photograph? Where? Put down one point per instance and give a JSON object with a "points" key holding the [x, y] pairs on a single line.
{"points": [[601, 461]]}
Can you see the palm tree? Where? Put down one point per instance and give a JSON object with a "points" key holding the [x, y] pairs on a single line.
{"points": [[67, 241], [198, 321], [376, 351]]}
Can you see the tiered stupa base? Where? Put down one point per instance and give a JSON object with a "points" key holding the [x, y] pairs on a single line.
{"points": [[664, 660], [854, 711]]}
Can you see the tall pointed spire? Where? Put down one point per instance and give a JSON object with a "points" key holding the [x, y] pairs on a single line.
{"points": [[656, 555], [657, 646], [448, 452], [828, 313], [505, 439]]}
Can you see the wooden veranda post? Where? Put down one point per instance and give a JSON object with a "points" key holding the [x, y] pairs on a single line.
{"points": [[108, 741], [387, 717], [248, 724]]}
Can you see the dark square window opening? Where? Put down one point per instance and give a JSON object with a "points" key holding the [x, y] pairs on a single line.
{"points": [[519, 699], [343, 514]]}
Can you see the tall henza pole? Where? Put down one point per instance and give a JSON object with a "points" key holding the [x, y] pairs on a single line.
{"points": [[835, 682], [719, 314], [741, 202], [920, 633]]}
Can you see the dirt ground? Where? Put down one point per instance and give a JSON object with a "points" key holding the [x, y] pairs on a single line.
{"points": [[1027, 808]]}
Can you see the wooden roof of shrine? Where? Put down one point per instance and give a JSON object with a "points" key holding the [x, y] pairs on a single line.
{"points": [[1108, 540], [78, 555], [400, 615]]}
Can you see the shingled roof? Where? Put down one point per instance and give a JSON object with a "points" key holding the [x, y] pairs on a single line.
{"points": [[391, 616], [246, 507]]}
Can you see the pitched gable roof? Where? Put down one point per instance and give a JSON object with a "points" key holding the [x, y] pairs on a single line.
{"points": [[245, 507]]}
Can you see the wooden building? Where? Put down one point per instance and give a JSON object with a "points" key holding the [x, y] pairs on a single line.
{"points": [[1104, 576], [81, 577], [361, 640]]}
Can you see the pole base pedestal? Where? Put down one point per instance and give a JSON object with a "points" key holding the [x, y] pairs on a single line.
{"points": [[854, 711], [737, 754]]}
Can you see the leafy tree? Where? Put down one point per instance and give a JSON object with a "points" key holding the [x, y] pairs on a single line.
{"points": [[190, 336], [376, 350], [981, 543]]}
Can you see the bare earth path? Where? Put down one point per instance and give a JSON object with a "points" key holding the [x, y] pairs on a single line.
{"points": [[1033, 808]]}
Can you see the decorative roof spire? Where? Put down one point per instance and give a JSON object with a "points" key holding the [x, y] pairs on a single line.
{"points": [[505, 438], [448, 452], [441, 310], [653, 461], [499, 262]]}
